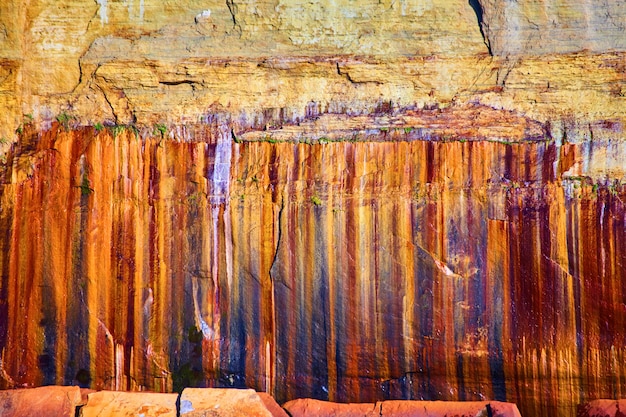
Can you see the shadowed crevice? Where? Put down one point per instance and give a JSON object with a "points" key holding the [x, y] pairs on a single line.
{"points": [[478, 9]]}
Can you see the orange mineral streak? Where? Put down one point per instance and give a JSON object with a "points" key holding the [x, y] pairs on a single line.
{"points": [[347, 271]]}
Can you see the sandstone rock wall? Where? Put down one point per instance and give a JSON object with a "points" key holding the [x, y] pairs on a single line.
{"points": [[146, 62], [532, 27], [345, 270], [343, 200]]}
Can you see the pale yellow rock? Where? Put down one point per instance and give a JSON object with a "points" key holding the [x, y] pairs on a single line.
{"points": [[175, 62], [116, 403], [584, 87], [532, 27], [44, 42], [187, 90]]}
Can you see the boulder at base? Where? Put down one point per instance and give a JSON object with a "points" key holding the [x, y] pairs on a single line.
{"points": [[448, 408], [602, 408], [271, 404], [223, 402], [40, 402], [311, 407], [119, 404], [316, 408]]}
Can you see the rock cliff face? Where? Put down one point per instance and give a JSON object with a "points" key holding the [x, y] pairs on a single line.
{"points": [[152, 61], [348, 270], [353, 201]]}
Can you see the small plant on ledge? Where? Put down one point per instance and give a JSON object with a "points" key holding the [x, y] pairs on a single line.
{"points": [[117, 129], [161, 129], [316, 200], [64, 120]]}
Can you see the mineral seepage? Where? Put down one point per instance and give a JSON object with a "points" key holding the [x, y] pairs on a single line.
{"points": [[398, 264]]}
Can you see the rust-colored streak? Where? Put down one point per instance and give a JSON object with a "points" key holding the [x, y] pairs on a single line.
{"points": [[348, 271]]}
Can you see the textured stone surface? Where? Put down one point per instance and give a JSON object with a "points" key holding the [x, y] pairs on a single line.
{"points": [[148, 61], [51, 49], [449, 224], [530, 27], [119, 404], [40, 402], [271, 404], [319, 270], [602, 408], [310, 407], [447, 408], [201, 402]]}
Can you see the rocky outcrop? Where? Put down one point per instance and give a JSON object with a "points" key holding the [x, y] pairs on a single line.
{"points": [[534, 27], [610, 408], [65, 57], [57, 401], [271, 404], [191, 402], [146, 63], [119, 404], [446, 408], [198, 402], [40, 402], [309, 407]]}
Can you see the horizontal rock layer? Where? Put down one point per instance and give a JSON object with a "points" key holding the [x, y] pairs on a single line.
{"points": [[150, 61], [308, 407], [57, 401], [445, 269], [198, 402]]}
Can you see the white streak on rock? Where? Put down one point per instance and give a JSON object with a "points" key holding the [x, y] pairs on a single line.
{"points": [[104, 18]]}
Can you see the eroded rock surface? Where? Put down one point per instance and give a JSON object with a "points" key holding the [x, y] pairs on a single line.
{"points": [[318, 268], [602, 408], [198, 402], [532, 27], [150, 62], [311, 407], [341, 200], [40, 402], [119, 404], [271, 404], [447, 408]]}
